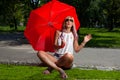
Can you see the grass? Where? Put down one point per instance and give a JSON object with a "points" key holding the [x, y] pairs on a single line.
{"points": [[101, 37], [13, 72], [8, 29]]}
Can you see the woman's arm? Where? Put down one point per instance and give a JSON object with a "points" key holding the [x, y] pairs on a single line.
{"points": [[78, 47]]}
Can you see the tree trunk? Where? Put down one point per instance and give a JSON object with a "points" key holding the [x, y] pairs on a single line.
{"points": [[110, 23], [15, 23]]}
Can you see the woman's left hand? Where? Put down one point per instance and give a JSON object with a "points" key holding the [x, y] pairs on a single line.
{"points": [[87, 38]]}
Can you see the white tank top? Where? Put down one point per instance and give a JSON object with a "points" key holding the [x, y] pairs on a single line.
{"points": [[68, 48]]}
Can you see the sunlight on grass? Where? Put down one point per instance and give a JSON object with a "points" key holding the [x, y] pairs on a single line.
{"points": [[8, 29], [101, 37]]}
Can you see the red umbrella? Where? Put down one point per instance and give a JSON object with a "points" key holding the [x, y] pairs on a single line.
{"points": [[44, 21]]}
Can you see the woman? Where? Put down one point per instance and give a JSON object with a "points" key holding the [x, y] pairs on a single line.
{"points": [[66, 42]]}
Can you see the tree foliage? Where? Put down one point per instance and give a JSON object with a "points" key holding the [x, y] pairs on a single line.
{"points": [[12, 12], [112, 13], [91, 13], [81, 7]]}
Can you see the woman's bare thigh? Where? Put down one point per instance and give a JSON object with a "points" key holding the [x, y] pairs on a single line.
{"points": [[51, 57]]}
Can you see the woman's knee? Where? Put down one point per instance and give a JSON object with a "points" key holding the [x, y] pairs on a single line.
{"points": [[69, 56], [66, 60], [39, 53]]}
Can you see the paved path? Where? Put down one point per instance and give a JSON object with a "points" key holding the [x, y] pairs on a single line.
{"points": [[87, 58], [12, 51]]}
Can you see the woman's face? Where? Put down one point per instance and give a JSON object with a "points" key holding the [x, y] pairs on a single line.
{"points": [[68, 22]]}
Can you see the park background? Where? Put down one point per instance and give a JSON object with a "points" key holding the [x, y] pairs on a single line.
{"points": [[91, 13], [101, 18]]}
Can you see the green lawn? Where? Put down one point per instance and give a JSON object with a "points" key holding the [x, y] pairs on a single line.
{"points": [[8, 29], [101, 37], [12, 72]]}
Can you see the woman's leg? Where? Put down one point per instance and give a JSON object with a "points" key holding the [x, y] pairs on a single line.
{"points": [[65, 61], [48, 70], [50, 61]]}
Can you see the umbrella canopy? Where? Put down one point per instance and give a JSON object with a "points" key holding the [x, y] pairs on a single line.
{"points": [[44, 21]]}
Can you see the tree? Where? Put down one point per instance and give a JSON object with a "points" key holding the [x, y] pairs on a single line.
{"points": [[34, 3], [12, 12], [90, 12], [95, 14], [111, 9], [104, 12], [29, 5]]}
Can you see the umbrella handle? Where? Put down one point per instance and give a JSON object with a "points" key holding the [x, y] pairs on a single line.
{"points": [[60, 39], [61, 36]]}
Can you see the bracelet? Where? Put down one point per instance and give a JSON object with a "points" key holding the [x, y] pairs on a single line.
{"points": [[83, 44]]}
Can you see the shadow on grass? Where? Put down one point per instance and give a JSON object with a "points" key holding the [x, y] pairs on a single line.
{"points": [[100, 43]]}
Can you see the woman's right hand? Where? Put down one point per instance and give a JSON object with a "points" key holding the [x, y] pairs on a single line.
{"points": [[62, 43]]}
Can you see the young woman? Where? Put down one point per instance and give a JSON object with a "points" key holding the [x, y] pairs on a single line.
{"points": [[66, 42]]}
